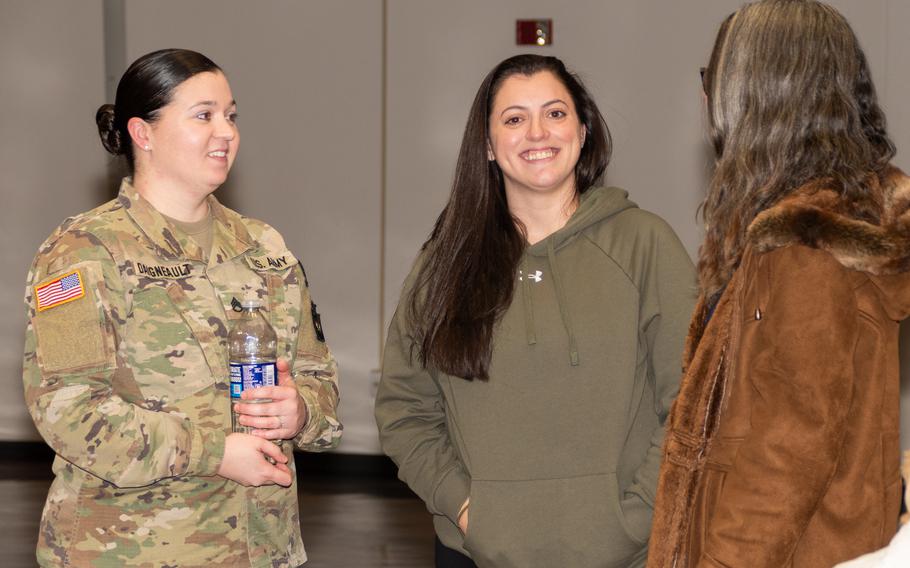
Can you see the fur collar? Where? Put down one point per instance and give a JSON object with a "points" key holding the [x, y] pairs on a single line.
{"points": [[811, 217]]}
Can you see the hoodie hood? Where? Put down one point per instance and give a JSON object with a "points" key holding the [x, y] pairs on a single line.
{"points": [[812, 217], [595, 205]]}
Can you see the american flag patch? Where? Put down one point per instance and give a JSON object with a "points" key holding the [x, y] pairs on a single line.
{"points": [[60, 290]]}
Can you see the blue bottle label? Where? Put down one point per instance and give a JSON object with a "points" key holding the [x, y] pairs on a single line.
{"points": [[250, 376]]}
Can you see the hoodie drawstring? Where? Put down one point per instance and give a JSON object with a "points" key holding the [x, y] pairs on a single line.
{"points": [[561, 300], [596, 206], [529, 305]]}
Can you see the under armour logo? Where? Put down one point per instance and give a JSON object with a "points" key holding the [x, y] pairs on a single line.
{"points": [[537, 276]]}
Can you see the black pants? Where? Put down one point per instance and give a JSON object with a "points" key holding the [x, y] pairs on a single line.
{"points": [[448, 558]]}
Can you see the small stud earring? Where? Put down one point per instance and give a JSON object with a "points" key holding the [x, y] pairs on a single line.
{"points": [[146, 148]]}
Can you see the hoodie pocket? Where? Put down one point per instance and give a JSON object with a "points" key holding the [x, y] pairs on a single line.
{"points": [[549, 522]]}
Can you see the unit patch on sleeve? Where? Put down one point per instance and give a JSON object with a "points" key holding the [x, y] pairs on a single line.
{"points": [[306, 281], [317, 322], [59, 291]]}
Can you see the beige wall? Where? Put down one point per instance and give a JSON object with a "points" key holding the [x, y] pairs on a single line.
{"points": [[51, 162], [893, 81], [308, 76]]}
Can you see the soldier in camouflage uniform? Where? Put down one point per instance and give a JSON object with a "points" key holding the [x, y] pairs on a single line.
{"points": [[126, 378]]}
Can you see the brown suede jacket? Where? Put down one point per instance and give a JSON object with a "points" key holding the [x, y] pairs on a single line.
{"points": [[782, 447]]}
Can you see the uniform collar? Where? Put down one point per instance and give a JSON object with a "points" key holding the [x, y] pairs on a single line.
{"points": [[230, 237]]}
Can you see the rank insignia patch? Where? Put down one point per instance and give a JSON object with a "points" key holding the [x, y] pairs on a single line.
{"points": [[60, 290]]}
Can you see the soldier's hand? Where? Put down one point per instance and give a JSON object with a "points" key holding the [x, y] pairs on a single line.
{"points": [[245, 461], [280, 419]]}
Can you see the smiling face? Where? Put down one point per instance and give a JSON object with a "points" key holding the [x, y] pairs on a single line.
{"points": [[194, 140], [535, 134]]}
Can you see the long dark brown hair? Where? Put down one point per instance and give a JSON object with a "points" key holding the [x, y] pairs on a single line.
{"points": [[790, 101], [469, 263]]}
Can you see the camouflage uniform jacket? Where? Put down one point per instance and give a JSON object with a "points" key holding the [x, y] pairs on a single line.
{"points": [[128, 383]]}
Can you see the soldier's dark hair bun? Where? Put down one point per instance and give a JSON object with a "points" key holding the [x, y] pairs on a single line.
{"points": [[107, 130]]}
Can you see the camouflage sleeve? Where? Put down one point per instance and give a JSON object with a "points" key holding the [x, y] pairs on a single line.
{"points": [[316, 375], [80, 393]]}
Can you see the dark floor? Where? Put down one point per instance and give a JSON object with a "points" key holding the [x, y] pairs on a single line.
{"points": [[354, 515]]}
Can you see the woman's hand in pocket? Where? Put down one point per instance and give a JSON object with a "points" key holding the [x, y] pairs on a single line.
{"points": [[463, 516]]}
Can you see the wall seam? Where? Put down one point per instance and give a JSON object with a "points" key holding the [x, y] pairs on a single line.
{"points": [[382, 172]]}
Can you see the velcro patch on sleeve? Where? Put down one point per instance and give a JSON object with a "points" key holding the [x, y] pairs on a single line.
{"points": [[71, 335], [311, 341], [59, 290], [317, 322]]}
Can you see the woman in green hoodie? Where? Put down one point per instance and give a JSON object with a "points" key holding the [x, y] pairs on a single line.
{"points": [[536, 349]]}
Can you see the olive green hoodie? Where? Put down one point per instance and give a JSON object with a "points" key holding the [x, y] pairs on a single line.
{"points": [[560, 449]]}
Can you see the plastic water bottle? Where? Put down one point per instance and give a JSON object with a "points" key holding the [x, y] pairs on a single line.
{"points": [[253, 349]]}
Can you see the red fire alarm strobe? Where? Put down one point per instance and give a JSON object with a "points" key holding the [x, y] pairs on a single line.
{"points": [[534, 32]]}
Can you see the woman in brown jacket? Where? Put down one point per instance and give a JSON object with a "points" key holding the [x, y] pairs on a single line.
{"points": [[782, 446]]}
